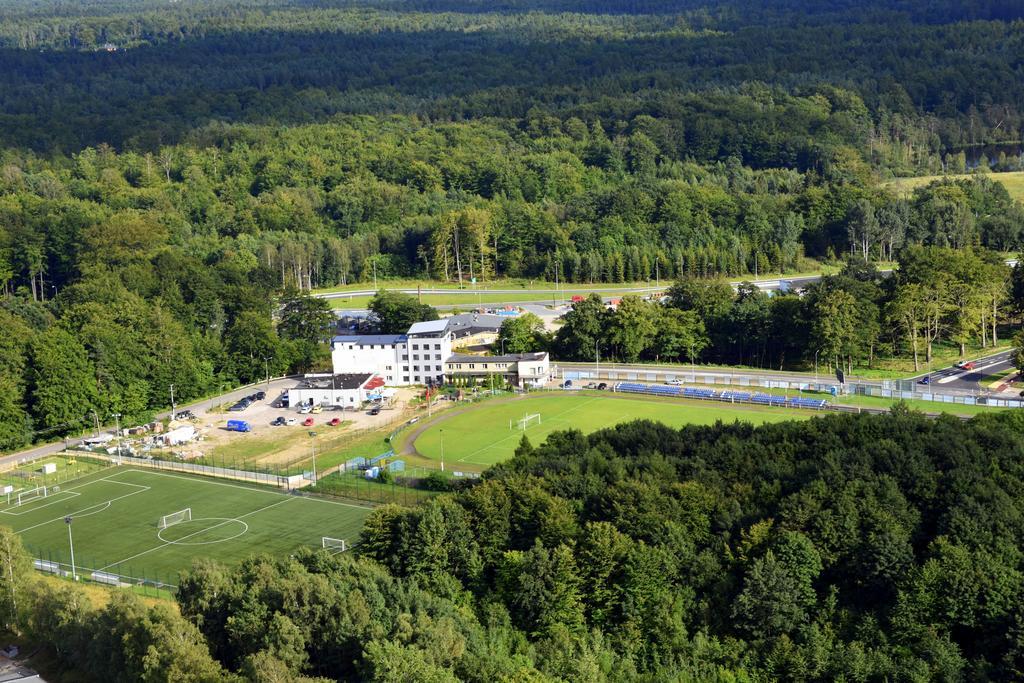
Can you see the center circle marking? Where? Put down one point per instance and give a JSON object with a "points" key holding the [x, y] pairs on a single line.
{"points": [[220, 521]]}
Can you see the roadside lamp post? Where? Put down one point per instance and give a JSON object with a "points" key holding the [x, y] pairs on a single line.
{"points": [[71, 544], [312, 443], [117, 430]]}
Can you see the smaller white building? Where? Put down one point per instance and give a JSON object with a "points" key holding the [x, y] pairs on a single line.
{"points": [[519, 369], [347, 391]]}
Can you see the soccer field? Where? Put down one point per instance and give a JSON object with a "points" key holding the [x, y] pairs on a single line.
{"points": [[116, 517], [480, 436]]}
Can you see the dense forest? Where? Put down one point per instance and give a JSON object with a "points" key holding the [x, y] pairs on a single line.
{"points": [[176, 177], [859, 548], [848, 320], [168, 171]]}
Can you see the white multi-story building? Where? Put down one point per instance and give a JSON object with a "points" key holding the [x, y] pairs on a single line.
{"points": [[416, 357]]}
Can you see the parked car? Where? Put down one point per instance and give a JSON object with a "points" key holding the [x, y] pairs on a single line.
{"points": [[317, 409], [566, 384], [602, 386], [291, 422], [305, 410], [925, 380], [239, 407], [334, 421], [279, 422], [675, 382], [185, 415], [308, 422], [375, 410], [966, 365], [239, 426], [260, 395]]}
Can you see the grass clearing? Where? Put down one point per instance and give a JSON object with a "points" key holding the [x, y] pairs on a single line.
{"points": [[1013, 181], [480, 436], [116, 516]]}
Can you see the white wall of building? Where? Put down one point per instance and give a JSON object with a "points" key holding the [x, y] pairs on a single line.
{"points": [[409, 360], [346, 398], [379, 359]]}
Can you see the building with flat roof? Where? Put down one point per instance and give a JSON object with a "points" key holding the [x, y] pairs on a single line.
{"points": [[344, 390], [518, 369]]}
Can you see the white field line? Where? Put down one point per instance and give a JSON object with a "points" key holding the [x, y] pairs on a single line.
{"points": [[72, 490], [520, 435], [39, 507], [200, 480], [195, 533], [83, 512]]}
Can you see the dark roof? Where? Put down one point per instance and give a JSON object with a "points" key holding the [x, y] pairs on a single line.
{"points": [[507, 358], [466, 324], [368, 339], [342, 381]]}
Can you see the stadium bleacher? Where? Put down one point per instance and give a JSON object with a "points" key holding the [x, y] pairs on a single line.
{"points": [[712, 395]]}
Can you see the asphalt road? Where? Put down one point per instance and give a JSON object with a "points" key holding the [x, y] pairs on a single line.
{"points": [[978, 379], [199, 408], [564, 293]]}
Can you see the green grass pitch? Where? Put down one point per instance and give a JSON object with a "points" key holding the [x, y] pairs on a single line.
{"points": [[116, 513], [480, 436]]}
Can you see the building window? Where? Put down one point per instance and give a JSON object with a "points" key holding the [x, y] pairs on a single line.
{"points": [[437, 347], [472, 366], [387, 367], [415, 356], [415, 368], [437, 356], [415, 347], [406, 379], [438, 368]]}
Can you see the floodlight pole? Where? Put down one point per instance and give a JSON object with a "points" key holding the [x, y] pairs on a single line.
{"points": [[312, 443], [117, 429], [71, 543], [266, 370], [816, 351], [597, 359], [96, 419], [442, 449]]}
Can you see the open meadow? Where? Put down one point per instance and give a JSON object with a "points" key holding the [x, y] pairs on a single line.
{"points": [[1013, 182]]}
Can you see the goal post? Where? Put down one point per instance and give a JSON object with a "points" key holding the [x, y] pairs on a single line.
{"points": [[32, 494], [527, 420], [336, 545], [176, 518]]}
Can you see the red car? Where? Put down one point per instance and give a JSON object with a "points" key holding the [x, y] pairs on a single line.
{"points": [[966, 365], [335, 421], [308, 422]]}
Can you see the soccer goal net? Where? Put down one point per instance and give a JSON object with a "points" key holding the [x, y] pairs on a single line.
{"points": [[335, 545], [176, 518], [32, 494], [526, 421]]}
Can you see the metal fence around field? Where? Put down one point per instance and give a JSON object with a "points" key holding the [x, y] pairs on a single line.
{"points": [[254, 476], [891, 389]]}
